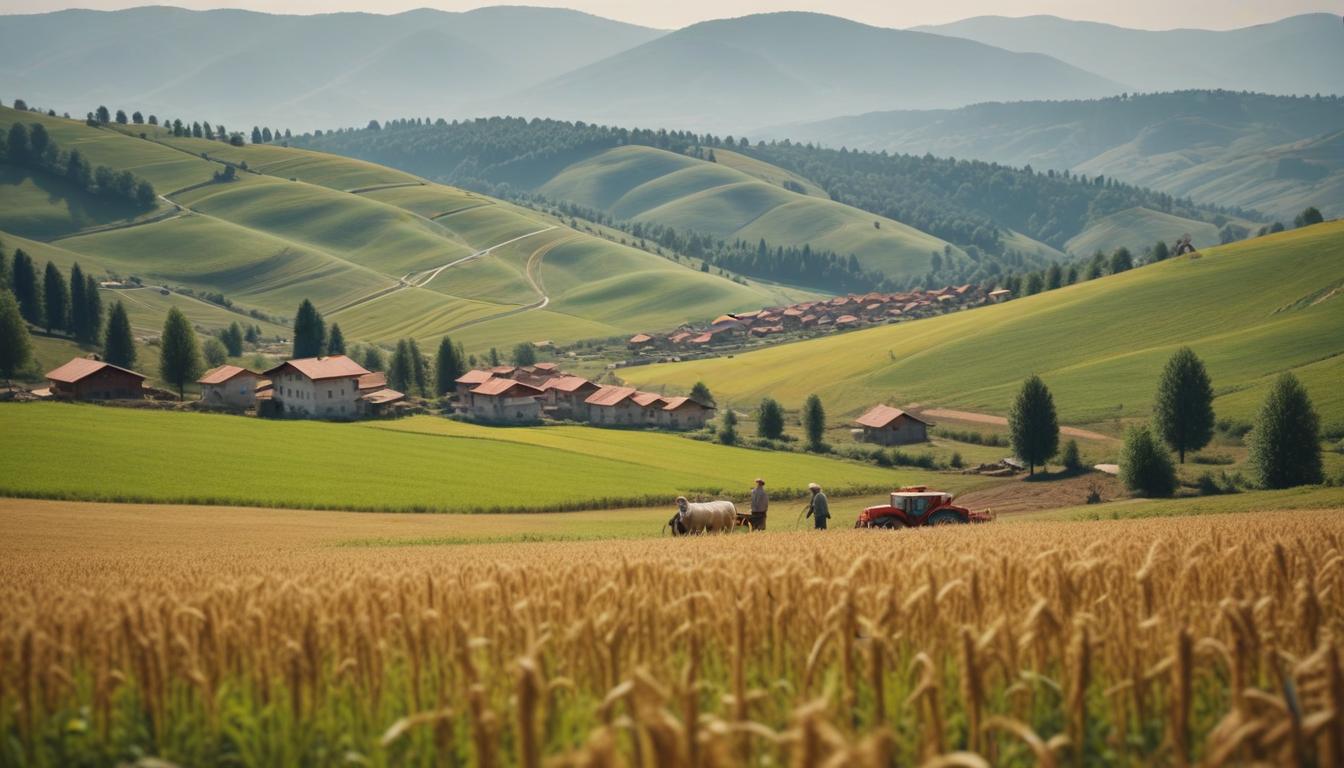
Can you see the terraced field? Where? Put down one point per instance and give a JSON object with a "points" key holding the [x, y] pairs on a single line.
{"points": [[419, 464], [385, 253], [733, 200], [1250, 310]]}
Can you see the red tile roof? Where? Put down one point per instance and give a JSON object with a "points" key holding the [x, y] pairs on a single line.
{"points": [[474, 377], [567, 383], [646, 399], [880, 416], [382, 396], [502, 387], [82, 367], [320, 368], [607, 396], [641, 338], [676, 403], [224, 373], [373, 380]]}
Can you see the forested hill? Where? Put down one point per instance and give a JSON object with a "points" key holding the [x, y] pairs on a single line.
{"points": [[964, 202]]}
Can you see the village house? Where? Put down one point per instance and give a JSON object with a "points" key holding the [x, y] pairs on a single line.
{"points": [[640, 341], [1000, 295], [563, 396], [614, 406], [505, 400], [885, 425], [317, 387], [469, 381], [375, 396], [651, 405], [86, 379], [684, 413], [229, 386]]}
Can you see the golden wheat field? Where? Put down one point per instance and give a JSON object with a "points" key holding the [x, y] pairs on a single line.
{"points": [[1173, 641]]}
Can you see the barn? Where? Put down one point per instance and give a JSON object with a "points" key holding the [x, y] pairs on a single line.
{"points": [[885, 425], [85, 379]]}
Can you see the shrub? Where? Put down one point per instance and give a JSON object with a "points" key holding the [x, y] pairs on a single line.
{"points": [[1072, 461], [1215, 459], [955, 462], [1145, 466], [1286, 444]]}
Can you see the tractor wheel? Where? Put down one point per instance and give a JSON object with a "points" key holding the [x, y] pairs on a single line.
{"points": [[945, 517], [890, 523]]}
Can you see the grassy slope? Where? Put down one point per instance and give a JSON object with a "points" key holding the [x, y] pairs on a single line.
{"points": [[437, 465], [1137, 229], [1251, 310], [647, 184], [267, 242]]}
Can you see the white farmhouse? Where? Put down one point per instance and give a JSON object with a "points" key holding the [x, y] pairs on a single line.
{"points": [[317, 387]]}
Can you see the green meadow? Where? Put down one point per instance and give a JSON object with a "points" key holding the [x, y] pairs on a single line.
{"points": [[1137, 229], [345, 233], [424, 463], [1251, 310]]}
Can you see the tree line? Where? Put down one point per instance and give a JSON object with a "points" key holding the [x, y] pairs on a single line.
{"points": [[31, 146]]}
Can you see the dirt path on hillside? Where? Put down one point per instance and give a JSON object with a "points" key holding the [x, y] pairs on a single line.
{"points": [[1044, 492], [1000, 421], [533, 274]]}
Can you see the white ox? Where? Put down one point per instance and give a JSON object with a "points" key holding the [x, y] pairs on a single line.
{"points": [[704, 517]]}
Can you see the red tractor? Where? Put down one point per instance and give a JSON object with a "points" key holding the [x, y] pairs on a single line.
{"points": [[916, 506]]}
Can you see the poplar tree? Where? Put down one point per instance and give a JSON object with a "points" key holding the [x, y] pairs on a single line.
{"points": [[770, 419], [419, 368], [119, 344], [93, 310], [401, 371], [23, 278], [179, 354], [1184, 408], [814, 422], [1033, 425], [335, 341], [447, 368], [309, 331], [79, 307], [56, 299]]}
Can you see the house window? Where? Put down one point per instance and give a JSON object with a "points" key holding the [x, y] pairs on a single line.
{"points": [[330, 394]]}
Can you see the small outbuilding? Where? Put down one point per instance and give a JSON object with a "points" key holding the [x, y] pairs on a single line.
{"points": [[684, 413], [885, 425], [229, 386], [86, 379], [505, 400]]}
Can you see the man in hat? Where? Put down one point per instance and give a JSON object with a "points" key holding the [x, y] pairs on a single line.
{"points": [[819, 509], [760, 502]]}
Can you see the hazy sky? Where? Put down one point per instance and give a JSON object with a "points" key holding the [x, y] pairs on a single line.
{"points": [[1148, 14]]}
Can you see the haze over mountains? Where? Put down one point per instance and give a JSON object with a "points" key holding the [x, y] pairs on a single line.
{"points": [[305, 72]]}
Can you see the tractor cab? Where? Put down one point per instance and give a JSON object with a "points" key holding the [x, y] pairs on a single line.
{"points": [[914, 506], [918, 504]]}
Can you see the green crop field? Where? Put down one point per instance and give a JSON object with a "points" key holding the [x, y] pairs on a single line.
{"points": [[301, 224], [735, 199], [1250, 310], [420, 464]]}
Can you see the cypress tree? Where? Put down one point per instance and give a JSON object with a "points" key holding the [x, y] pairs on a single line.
{"points": [[419, 368], [814, 422], [401, 371], [93, 312], [119, 344], [1286, 441], [16, 349], [24, 280], [1184, 408], [55, 300], [179, 354], [1145, 466], [335, 341], [79, 322], [1033, 425], [770, 419], [447, 368], [309, 331]]}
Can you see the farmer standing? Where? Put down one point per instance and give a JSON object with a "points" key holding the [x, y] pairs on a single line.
{"points": [[760, 502], [819, 510]]}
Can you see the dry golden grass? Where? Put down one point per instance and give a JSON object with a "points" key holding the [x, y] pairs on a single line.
{"points": [[1177, 641]]}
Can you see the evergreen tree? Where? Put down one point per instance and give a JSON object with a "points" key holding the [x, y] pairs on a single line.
{"points": [[55, 300], [401, 371], [814, 422], [1034, 283], [701, 394], [179, 354], [256, 135], [1312, 215], [121, 117], [103, 115], [1121, 261], [79, 307], [494, 357], [309, 331], [447, 368], [727, 434], [233, 339], [419, 368], [1145, 466], [16, 349], [1054, 277], [138, 118], [252, 335], [23, 279], [770, 419], [335, 340], [1286, 441], [93, 312], [119, 344], [16, 146], [525, 354], [373, 360], [1033, 425], [1183, 413], [1160, 251]]}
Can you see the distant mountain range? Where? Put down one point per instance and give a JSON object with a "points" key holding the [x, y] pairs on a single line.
{"points": [[1297, 55], [1275, 154], [732, 75]]}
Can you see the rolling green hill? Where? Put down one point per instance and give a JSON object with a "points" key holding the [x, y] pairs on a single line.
{"points": [[1250, 310], [384, 253], [644, 184], [439, 465], [1137, 229]]}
